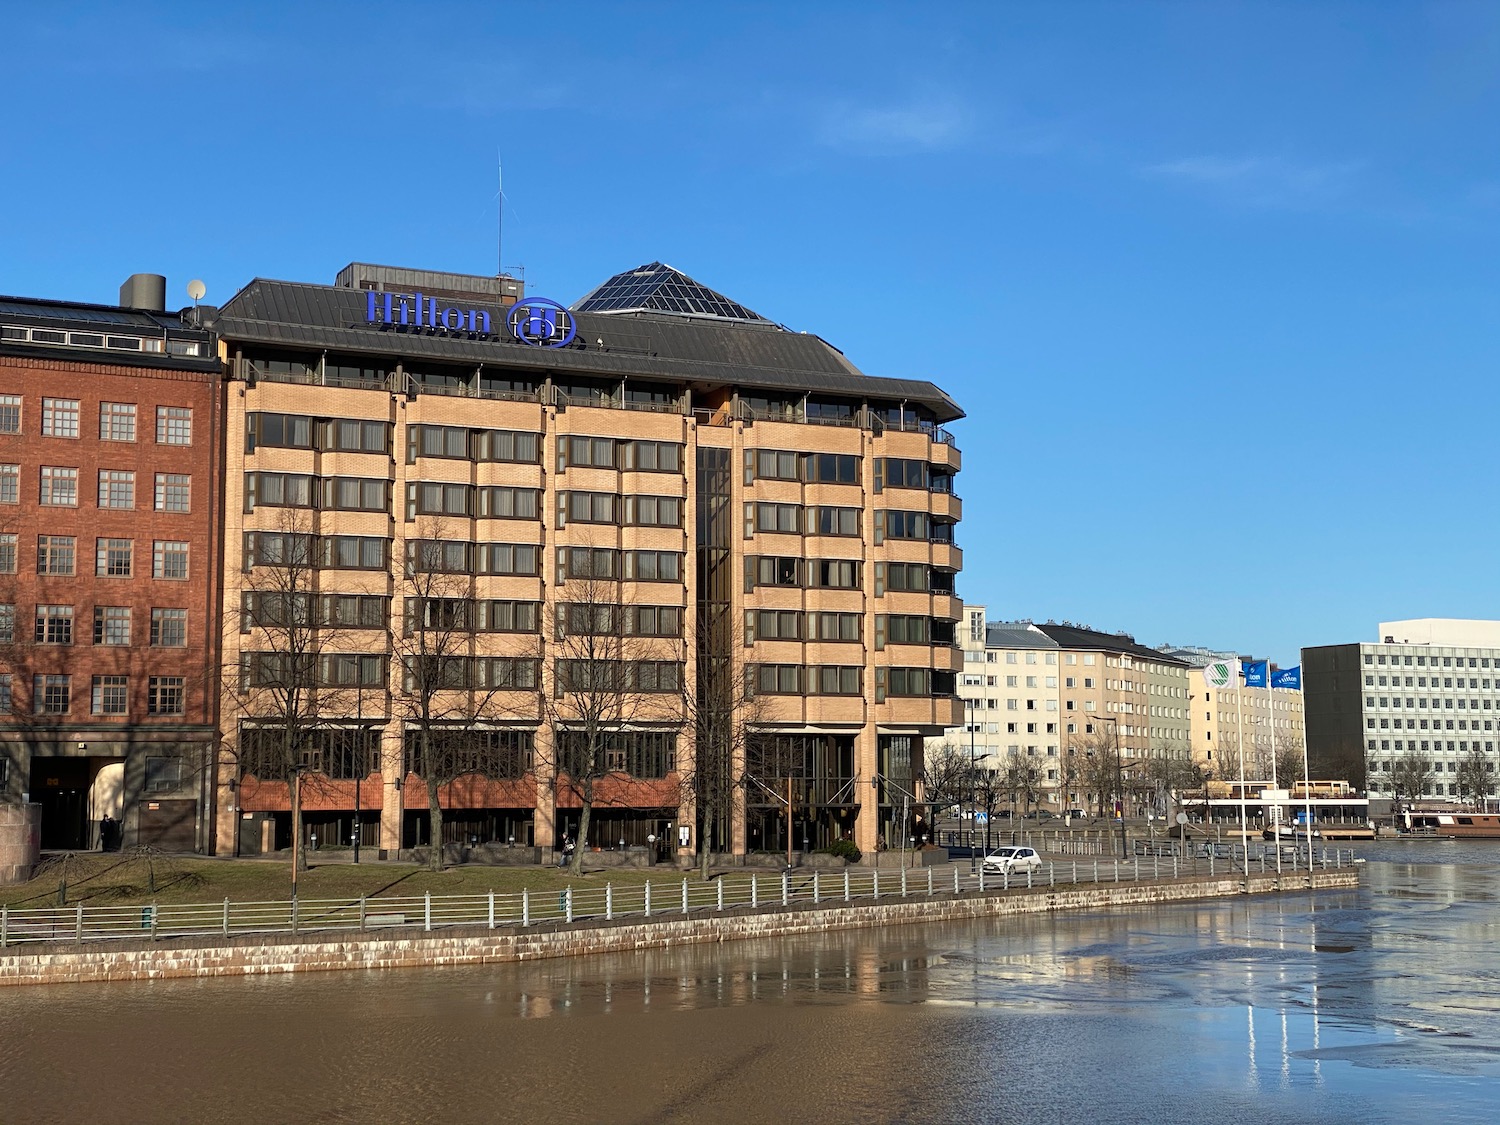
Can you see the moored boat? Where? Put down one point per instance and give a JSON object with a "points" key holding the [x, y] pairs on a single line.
{"points": [[1485, 826]]}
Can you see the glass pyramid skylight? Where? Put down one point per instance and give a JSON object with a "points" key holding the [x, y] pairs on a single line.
{"points": [[660, 288]]}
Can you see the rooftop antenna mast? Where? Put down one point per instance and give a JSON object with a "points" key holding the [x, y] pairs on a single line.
{"points": [[500, 218]]}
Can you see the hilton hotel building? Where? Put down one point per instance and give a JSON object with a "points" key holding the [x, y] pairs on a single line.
{"points": [[710, 459]]}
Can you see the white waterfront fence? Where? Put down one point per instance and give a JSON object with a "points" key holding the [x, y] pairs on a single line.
{"points": [[580, 904]]}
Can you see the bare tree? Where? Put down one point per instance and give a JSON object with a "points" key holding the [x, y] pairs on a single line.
{"points": [[949, 776], [1099, 765], [1019, 781], [1411, 774], [296, 679], [724, 714], [1476, 779], [605, 679], [449, 688]]}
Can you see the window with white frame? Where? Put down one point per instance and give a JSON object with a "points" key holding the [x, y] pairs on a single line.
{"points": [[117, 421], [174, 425], [60, 417], [59, 486], [116, 488]]}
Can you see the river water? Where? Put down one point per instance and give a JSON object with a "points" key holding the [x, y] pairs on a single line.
{"points": [[1376, 1005]]}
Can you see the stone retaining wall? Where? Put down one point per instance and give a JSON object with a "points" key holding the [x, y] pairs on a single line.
{"points": [[251, 955], [20, 841]]}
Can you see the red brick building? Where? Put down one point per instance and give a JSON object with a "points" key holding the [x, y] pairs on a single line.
{"points": [[111, 448]]}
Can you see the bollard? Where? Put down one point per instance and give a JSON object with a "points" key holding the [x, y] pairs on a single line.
{"points": [[1051, 874], [525, 906], [294, 919], [1210, 863], [1117, 871], [1156, 865], [955, 880], [1075, 872], [226, 917], [648, 898], [784, 887], [754, 890], [427, 910], [1005, 879], [1028, 878], [609, 902], [1137, 869], [1174, 865], [568, 903], [492, 909], [981, 878], [846, 884], [929, 882], [4, 926], [877, 884], [1096, 869], [817, 894], [684, 897], [903, 882], [719, 893], [78, 926]]}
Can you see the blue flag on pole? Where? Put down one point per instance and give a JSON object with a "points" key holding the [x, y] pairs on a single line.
{"points": [[1287, 678], [1255, 672]]}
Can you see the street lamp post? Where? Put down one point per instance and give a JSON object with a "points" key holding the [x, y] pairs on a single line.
{"points": [[973, 787]]}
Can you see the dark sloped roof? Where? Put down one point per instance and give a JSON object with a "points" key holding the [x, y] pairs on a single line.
{"points": [[1072, 636], [636, 345], [657, 287], [1015, 634]]}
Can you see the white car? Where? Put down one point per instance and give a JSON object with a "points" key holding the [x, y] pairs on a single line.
{"points": [[1013, 860]]}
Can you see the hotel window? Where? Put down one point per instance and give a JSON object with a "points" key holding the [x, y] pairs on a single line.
{"points": [[173, 492], [10, 484], [111, 624], [653, 566], [588, 562], [168, 628], [508, 446], [785, 519], [581, 452], [653, 621], [832, 468], [587, 507], [653, 511], [55, 554], [117, 421], [51, 695], [116, 488], [432, 498], [10, 414], [169, 559], [174, 425], [774, 625], [59, 487], [826, 520], [653, 456], [832, 679], [112, 558], [355, 494], [165, 695], [110, 695], [54, 625], [771, 464], [503, 502], [60, 417]]}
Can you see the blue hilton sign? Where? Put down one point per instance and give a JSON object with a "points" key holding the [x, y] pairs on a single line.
{"points": [[535, 320]]}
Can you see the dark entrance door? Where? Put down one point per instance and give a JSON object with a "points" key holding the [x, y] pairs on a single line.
{"points": [[169, 825], [61, 787]]}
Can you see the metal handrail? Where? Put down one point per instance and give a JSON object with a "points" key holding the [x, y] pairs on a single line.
{"points": [[82, 923]]}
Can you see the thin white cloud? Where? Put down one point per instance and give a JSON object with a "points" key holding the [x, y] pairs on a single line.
{"points": [[925, 125], [1260, 181]]}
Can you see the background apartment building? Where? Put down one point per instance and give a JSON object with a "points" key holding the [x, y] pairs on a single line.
{"points": [[110, 465], [1224, 721], [1060, 700], [1427, 692], [718, 503]]}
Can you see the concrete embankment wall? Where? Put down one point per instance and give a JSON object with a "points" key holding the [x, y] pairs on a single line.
{"points": [[252, 955]]}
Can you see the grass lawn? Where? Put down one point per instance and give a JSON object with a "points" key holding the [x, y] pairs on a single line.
{"points": [[123, 879]]}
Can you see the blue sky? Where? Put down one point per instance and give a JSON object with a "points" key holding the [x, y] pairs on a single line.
{"points": [[1216, 283]]}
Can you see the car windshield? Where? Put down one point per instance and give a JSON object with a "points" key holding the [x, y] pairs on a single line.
{"points": [[1008, 853]]}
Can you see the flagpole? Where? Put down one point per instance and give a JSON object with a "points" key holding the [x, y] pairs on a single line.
{"points": [[1271, 709], [1239, 718], [1306, 775]]}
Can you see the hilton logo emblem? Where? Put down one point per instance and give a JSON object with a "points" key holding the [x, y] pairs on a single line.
{"points": [[542, 323]]}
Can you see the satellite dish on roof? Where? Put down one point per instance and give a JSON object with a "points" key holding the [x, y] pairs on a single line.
{"points": [[196, 289]]}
